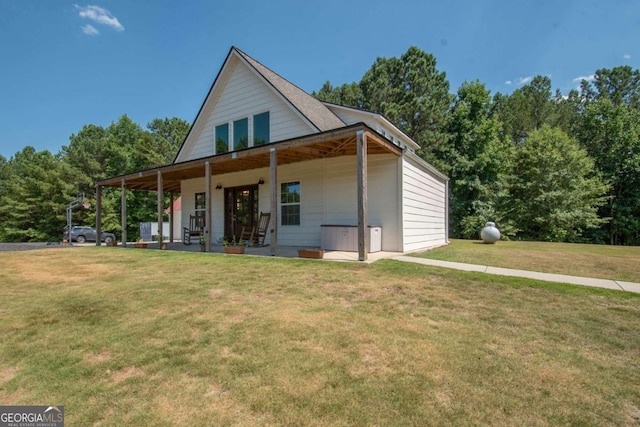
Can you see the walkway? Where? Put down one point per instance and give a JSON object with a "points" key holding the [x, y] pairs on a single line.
{"points": [[547, 277]]}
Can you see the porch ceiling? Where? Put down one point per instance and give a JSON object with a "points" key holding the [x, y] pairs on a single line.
{"points": [[335, 143]]}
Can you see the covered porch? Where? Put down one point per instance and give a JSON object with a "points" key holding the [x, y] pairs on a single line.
{"points": [[357, 141]]}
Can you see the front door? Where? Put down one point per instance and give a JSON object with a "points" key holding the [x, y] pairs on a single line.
{"points": [[240, 209]]}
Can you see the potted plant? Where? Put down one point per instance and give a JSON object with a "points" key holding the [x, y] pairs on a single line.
{"points": [[139, 244], [203, 243], [315, 253], [232, 246]]}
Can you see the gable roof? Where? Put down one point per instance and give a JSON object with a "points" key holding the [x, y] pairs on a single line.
{"points": [[314, 112], [376, 119]]}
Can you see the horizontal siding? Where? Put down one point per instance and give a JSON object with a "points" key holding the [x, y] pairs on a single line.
{"points": [[328, 196], [424, 208], [244, 94]]}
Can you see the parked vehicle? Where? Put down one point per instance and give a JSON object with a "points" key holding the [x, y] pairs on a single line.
{"points": [[85, 234]]}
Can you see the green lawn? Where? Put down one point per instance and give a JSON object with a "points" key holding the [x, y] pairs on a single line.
{"points": [[600, 261], [134, 337]]}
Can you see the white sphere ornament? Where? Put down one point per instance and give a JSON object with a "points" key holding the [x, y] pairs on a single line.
{"points": [[490, 234]]}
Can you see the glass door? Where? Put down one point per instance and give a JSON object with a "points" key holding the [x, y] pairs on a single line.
{"points": [[240, 210]]}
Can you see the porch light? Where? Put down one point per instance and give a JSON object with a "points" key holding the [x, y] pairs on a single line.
{"points": [[218, 186]]}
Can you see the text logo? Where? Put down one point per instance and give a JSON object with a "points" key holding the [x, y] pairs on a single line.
{"points": [[31, 416]]}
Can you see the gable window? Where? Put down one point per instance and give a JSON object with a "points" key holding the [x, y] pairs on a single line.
{"points": [[222, 138], [241, 134], [261, 129], [290, 203]]}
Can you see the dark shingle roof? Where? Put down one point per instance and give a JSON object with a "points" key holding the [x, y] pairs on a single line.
{"points": [[316, 112]]}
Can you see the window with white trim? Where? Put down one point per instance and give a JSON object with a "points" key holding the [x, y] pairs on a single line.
{"points": [[290, 203]]}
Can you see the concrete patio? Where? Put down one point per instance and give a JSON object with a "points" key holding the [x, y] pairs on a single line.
{"points": [[282, 252]]}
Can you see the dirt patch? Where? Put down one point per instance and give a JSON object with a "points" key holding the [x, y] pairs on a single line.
{"points": [[60, 274], [633, 415], [7, 374], [97, 358], [126, 373]]}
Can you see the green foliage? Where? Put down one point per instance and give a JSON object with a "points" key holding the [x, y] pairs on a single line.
{"points": [[168, 135], [477, 159], [611, 134], [412, 93], [526, 109], [349, 95], [409, 91], [36, 187], [619, 85], [33, 197], [474, 140], [554, 191]]}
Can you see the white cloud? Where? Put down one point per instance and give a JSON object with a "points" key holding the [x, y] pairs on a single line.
{"points": [[508, 82], [627, 56], [90, 30], [589, 78], [524, 80], [99, 15]]}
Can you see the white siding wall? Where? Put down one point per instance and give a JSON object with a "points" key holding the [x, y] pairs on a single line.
{"points": [[423, 208], [353, 117], [243, 95], [328, 196]]}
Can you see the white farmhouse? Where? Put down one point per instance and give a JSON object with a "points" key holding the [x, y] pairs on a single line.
{"points": [[261, 144]]}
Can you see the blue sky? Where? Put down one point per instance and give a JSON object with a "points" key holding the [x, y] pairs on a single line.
{"points": [[64, 64]]}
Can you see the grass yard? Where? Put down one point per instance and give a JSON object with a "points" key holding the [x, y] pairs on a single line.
{"points": [[133, 337], [600, 261]]}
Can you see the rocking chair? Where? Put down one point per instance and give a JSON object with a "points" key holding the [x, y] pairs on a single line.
{"points": [[257, 234], [196, 228]]}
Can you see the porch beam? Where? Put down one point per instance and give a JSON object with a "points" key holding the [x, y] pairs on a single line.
{"points": [[235, 161], [339, 147], [160, 209], [273, 181], [123, 211], [361, 154], [98, 214], [207, 218]]}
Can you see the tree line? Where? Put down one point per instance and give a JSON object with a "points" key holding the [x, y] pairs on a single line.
{"points": [[542, 165], [37, 186]]}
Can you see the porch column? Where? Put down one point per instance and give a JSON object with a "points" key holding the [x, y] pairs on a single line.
{"points": [[273, 179], [160, 208], [207, 197], [123, 212], [98, 214], [171, 196], [361, 154]]}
